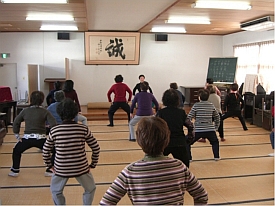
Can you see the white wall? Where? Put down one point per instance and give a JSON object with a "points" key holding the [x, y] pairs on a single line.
{"points": [[24, 48], [182, 59]]}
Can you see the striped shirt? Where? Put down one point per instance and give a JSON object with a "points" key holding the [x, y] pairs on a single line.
{"points": [[69, 141], [161, 181], [203, 112]]}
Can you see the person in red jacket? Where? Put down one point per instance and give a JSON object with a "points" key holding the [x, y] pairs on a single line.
{"points": [[120, 101]]}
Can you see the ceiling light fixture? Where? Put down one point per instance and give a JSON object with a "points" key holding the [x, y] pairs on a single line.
{"points": [[169, 29], [34, 1], [58, 28], [187, 21], [238, 5], [50, 18]]}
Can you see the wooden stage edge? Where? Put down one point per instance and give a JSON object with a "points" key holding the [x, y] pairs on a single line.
{"points": [[102, 114]]}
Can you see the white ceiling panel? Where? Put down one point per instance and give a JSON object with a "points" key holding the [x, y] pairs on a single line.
{"points": [[132, 15], [123, 15]]}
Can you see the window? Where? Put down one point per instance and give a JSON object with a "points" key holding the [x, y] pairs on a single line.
{"points": [[256, 58]]}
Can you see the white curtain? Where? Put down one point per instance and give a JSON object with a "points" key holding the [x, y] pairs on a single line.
{"points": [[256, 58], [267, 65]]}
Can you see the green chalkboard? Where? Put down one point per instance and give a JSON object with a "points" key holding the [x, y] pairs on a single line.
{"points": [[222, 69]]}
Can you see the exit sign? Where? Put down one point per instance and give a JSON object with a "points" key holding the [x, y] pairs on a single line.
{"points": [[5, 55]]}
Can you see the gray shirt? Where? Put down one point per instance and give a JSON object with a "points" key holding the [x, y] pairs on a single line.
{"points": [[216, 100], [35, 119]]}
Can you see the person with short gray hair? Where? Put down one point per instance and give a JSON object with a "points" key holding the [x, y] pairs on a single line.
{"points": [[58, 96], [50, 97], [216, 101]]}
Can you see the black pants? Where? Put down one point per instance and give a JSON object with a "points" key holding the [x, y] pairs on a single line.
{"points": [[114, 107], [212, 137], [236, 113], [220, 129], [179, 153], [21, 147]]}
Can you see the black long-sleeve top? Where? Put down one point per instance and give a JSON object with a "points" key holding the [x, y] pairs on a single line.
{"points": [[176, 118], [233, 102], [137, 87]]}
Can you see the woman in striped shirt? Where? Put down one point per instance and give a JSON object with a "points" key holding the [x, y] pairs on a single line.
{"points": [[204, 112], [70, 160], [156, 179]]}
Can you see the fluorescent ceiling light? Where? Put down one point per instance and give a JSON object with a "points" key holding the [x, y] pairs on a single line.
{"points": [[50, 18], [238, 5], [35, 1], [169, 29], [187, 21], [58, 28]]}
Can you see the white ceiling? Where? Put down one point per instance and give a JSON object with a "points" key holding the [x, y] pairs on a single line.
{"points": [[131, 15], [123, 15]]}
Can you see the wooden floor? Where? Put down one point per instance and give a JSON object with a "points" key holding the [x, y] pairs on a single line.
{"points": [[244, 176]]}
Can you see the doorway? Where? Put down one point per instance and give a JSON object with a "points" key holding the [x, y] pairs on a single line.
{"points": [[8, 78]]}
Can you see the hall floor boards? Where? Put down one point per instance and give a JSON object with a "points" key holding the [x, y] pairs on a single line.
{"points": [[244, 176]]}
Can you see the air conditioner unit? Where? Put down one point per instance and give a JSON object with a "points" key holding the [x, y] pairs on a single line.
{"points": [[261, 24]]}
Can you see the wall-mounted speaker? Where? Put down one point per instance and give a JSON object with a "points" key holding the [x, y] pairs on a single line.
{"points": [[63, 36], [161, 37]]}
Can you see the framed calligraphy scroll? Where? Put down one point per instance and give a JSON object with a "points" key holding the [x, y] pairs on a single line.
{"points": [[112, 47]]}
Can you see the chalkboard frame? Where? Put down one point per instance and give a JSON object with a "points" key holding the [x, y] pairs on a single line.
{"points": [[222, 69]]}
